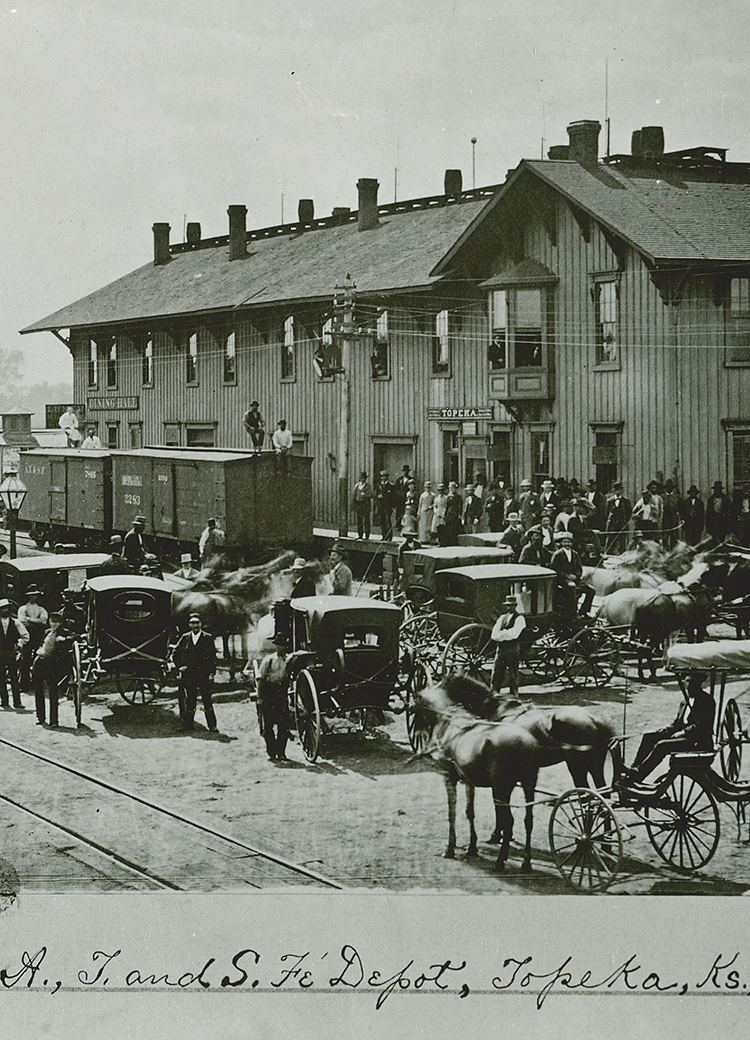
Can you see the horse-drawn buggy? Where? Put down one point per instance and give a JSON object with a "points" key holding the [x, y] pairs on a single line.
{"points": [[126, 641], [345, 664]]}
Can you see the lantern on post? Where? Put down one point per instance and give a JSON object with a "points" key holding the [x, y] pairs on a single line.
{"points": [[12, 492]]}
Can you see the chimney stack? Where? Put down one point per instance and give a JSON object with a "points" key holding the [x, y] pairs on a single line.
{"points": [[193, 234], [558, 151], [340, 215], [237, 232], [652, 142], [367, 209], [306, 211], [583, 137], [161, 244], [453, 182]]}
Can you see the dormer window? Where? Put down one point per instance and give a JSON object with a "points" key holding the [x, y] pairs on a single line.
{"points": [[519, 335]]}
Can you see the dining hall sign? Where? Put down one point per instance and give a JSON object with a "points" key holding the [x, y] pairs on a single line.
{"points": [[454, 414]]}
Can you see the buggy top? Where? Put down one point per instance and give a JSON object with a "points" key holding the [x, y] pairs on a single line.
{"points": [[330, 618], [722, 655]]}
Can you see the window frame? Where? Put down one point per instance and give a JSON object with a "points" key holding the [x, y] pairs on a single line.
{"points": [[442, 345], [229, 374], [381, 346], [93, 364], [190, 339], [732, 320], [111, 364], [113, 436], [288, 350], [198, 427], [146, 350], [508, 341], [599, 280]]}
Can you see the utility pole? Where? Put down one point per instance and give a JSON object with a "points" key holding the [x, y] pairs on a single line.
{"points": [[345, 334]]}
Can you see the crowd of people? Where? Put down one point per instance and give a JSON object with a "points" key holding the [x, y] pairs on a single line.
{"points": [[598, 522]]}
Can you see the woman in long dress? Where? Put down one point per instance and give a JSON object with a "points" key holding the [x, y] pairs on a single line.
{"points": [[425, 513]]}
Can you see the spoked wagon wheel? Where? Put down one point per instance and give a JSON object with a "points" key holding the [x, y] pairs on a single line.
{"points": [[585, 840], [137, 689], [418, 721], [307, 714], [683, 825], [419, 630], [545, 657], [730, 739], [76, 686], [469, 649], [591, 657]]}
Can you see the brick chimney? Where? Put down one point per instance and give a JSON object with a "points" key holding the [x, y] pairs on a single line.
{"points": [[453, 182], [237, 232], [193, 233], [583, 137], [367, 209], [161, 244], [340, 215], [306, 211]]}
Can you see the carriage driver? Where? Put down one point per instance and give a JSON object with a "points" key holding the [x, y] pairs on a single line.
{"points": [[507, 633], [566, 563], [691, 730]]}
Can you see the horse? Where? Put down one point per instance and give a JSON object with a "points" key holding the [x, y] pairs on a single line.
{"points": [[487, 752], [644, 568], [228, 601]]}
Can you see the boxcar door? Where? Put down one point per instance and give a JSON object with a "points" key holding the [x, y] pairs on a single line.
{"points": [[191, 514], [57, 494], [163, 492]]}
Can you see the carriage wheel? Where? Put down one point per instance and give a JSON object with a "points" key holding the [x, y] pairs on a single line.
{"points": [[76, 686], [419, 630], [137, 689], [683, 825], [307, 714], [469, 649], [585, 840], [545, 657], [419, 597], [418, 721], [730, 739], [591, 657]]}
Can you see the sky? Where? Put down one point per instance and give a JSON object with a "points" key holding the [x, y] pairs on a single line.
{"points": [[120, 113]]}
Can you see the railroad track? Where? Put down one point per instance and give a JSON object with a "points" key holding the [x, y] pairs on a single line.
{"points": [[163, 848]]}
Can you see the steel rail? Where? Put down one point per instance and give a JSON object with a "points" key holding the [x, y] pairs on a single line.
{"points": [[297, 868]]}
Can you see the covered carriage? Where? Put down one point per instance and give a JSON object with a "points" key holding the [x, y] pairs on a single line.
{"points": [[345, 662], [127, 638]]}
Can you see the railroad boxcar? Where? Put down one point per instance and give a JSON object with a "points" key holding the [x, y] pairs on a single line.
{"points": [[257, 498], [69, 493]]}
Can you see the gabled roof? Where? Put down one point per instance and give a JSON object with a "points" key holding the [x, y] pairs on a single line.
{"points": [[397, 255], [679, 217]]}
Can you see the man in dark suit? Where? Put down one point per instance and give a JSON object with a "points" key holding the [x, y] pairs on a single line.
{"points": [[12, 634], [385, 494], [619, 510], [719, 513], [195, 659], [693, 515], [566, 563], [134, 548], [596, 500]]}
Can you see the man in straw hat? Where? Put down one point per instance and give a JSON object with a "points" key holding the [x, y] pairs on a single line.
{"points": [[195, 659], [566, 563], [304, 582], [115, 562], [507, 633], [33, 617], [186, 569], [513, 533]]}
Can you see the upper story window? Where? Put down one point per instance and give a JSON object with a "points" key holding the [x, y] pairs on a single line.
{"points": [[737, 322], [230, 357], [147, 360], [191, 357], [519, 328], [441, 345], [327, 356], [380, 359], [606, 332], [112, 364], [288, 355], [93, 364]]}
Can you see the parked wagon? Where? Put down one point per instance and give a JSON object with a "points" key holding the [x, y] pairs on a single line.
{"points": [[345, 654], [52, 573], [126, 641]]}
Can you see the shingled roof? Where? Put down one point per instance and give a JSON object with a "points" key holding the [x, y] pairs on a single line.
{"points": [[395, 256], [668, 218]]}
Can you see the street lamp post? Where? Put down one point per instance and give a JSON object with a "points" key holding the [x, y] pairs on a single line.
{"points": [[12, 492]]}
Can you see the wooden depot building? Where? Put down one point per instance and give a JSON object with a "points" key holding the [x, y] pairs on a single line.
{"points": [[587, 317]]}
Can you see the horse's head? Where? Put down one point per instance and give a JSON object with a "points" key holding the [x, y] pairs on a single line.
{"points": [[469, 693]]}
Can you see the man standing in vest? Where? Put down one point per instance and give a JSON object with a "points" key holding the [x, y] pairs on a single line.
{"points": [[33, 617], [212, 542], [12, 634], [507, 634]]}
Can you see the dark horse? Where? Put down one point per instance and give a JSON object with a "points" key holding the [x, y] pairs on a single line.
{"points": [[666, 613], [486, 741]]}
